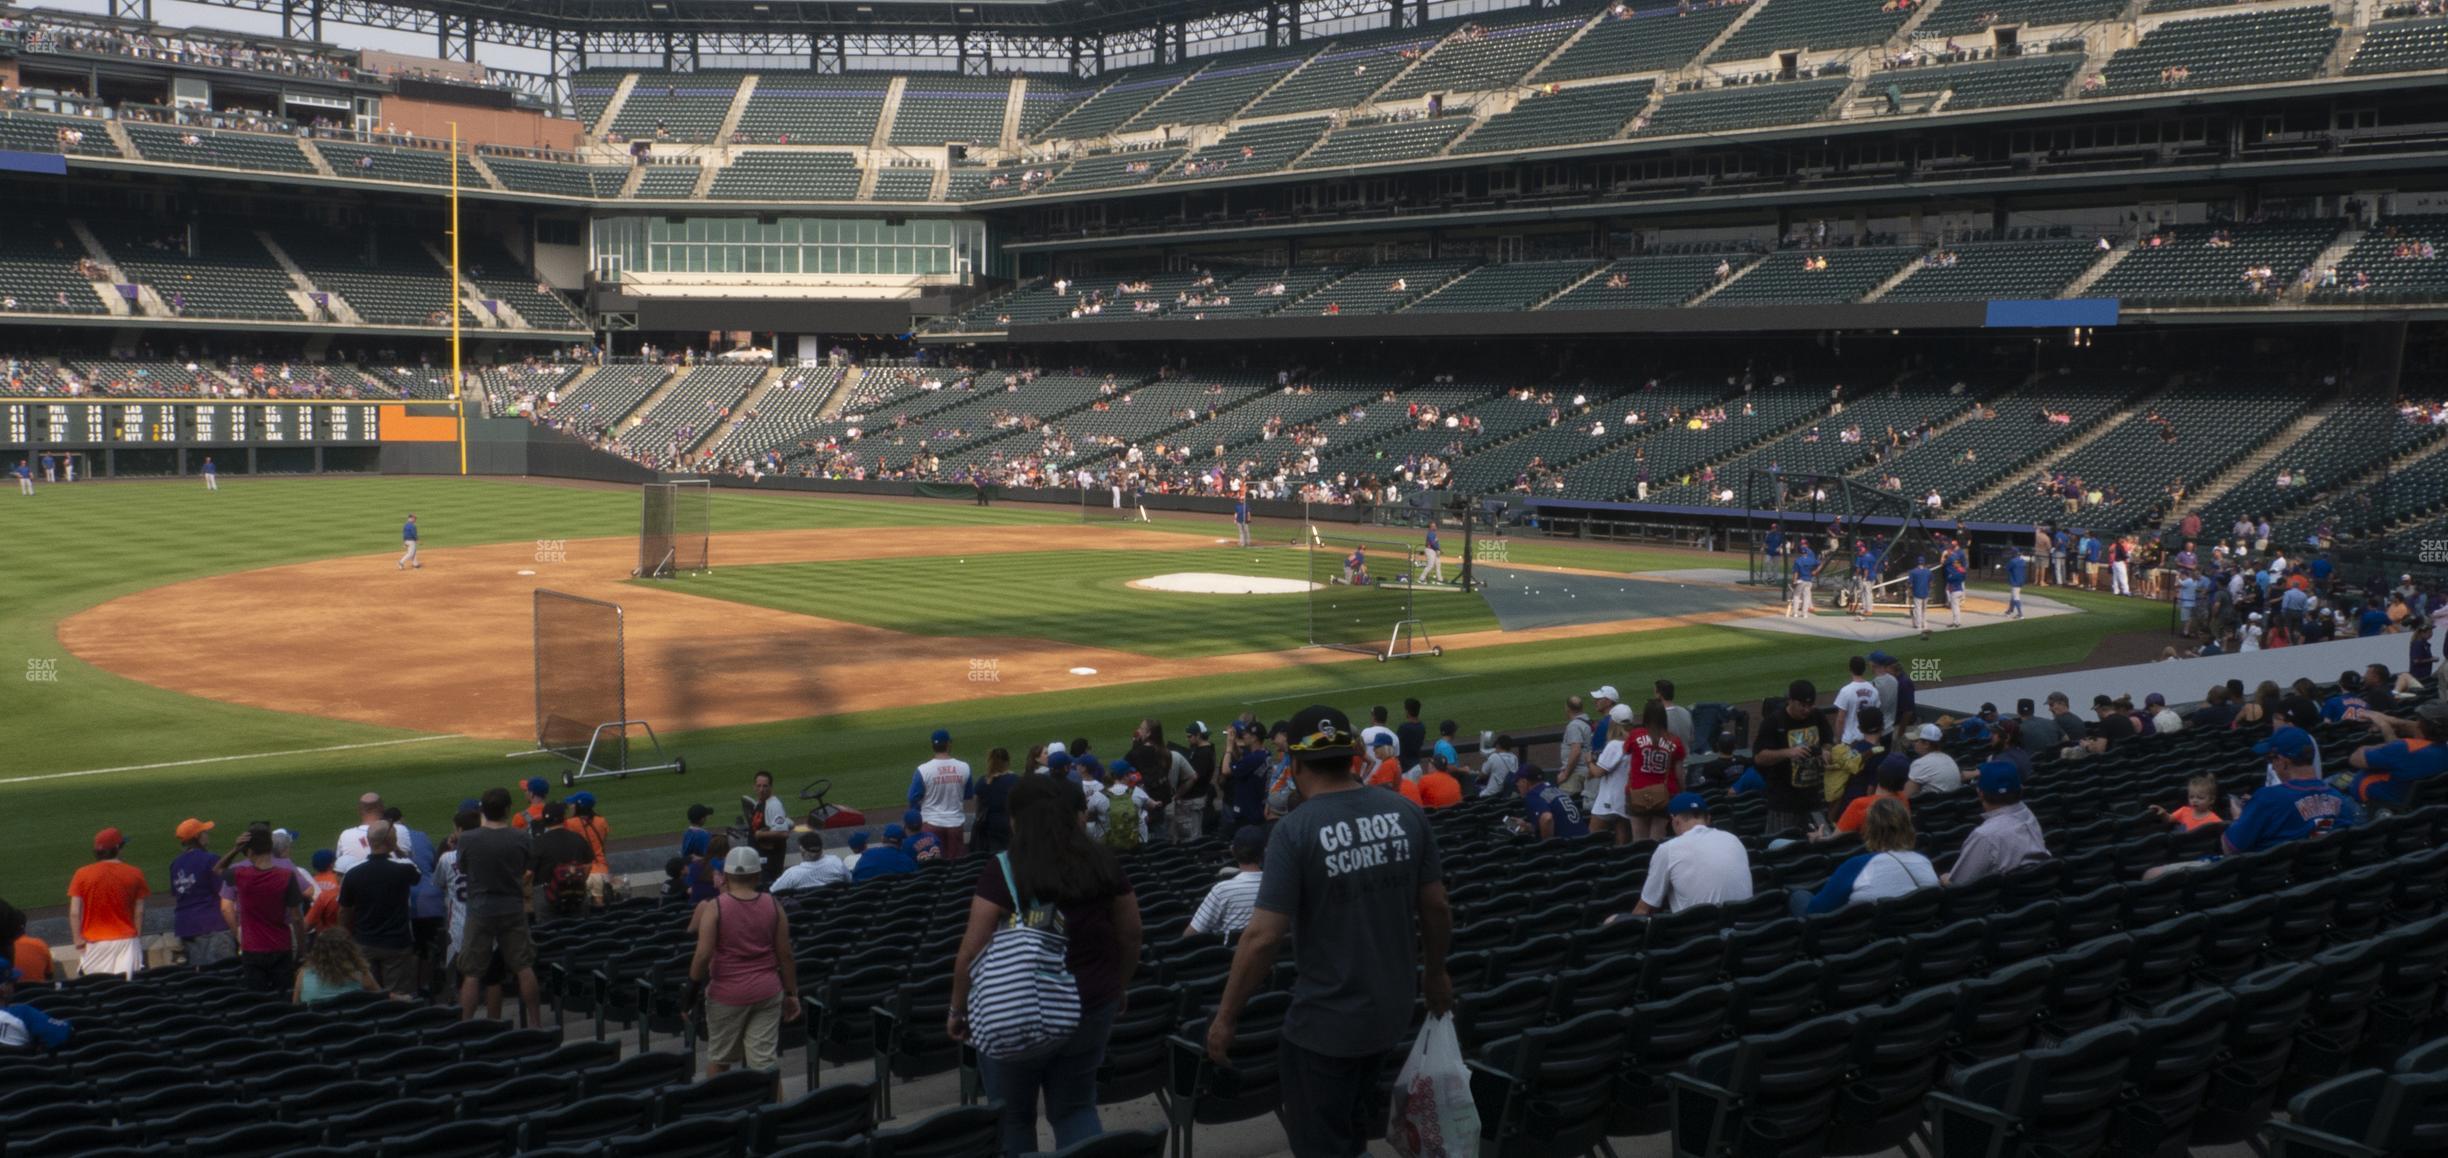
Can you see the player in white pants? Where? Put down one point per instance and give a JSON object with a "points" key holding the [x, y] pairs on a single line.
{"points": [[212, 475], [408, 538], [1432, 561], [2120, 572], [1241, 519], [1805, 570]]}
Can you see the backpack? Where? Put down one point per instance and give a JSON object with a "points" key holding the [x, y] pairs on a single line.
{"points": [[1022, 996], [1121, 819], [567, 888]]}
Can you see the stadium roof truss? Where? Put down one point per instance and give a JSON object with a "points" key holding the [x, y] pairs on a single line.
{"points": [[1087, 34]]}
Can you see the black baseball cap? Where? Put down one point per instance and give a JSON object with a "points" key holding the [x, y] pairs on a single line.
{"points": [[1321, 733], [698, 812]]}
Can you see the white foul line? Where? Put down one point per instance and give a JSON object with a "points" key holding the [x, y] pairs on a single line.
{"points": [[221, 759]]}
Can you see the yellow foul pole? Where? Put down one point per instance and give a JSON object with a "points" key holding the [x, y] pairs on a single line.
{"points": [[458, 397]]}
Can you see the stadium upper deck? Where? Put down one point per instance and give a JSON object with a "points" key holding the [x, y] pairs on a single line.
{"points": [[1580, 81]]}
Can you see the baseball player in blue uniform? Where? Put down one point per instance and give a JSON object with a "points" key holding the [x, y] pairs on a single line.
{"points": [[408, 539], [1865, 577], [1433, 561], [212, 475], [1805, 570], [1241, 514], [1918, 581], [2018, 572], [1355, 567], [25, 478]]}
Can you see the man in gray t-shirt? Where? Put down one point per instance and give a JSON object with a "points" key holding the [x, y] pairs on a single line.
{"points": [[495, 860], [1574, 759], [1352, 875]]}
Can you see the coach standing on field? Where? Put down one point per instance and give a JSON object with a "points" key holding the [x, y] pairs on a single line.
{"points": [[1352, 875], [408, 539]]}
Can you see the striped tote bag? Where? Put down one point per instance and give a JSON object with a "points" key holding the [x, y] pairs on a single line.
{"points": [[1022, 997]]}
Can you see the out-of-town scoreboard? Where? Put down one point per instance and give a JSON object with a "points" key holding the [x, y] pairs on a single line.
{"points": [[89, 424]]}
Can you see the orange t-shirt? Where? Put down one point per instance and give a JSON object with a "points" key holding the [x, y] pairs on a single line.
{"points": [[1410, 792], [1859, 811], [2192, 818], [597, 835], [1387, 772], [1439, 790], [531, 816], [324, 913], [110, 890], [32, 957]]}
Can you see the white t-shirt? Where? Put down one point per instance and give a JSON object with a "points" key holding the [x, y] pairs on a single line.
{"points": [[1937, 772], [1700, 867], [1498, 769], [943, 785], [2167, 721], [1228, 905], [814, 872], [1369, 737], [1614, 775], [777, 814], [1851, 699], [350, 850], [1891, 874], [1101, 801], [454, 897]]}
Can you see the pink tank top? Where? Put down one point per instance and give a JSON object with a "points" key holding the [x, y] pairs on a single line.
{"points": [[743, 970]]}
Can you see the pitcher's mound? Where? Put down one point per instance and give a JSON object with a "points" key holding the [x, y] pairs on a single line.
{"points": [[1215, 583]]}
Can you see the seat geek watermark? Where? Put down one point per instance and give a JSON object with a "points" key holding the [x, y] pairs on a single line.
{"points": [[1926, 671], [42, 671], [2431, 551], [552, 551], [1492, 550], [985, 671]]}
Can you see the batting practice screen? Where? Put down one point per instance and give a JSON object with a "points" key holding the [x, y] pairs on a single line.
{"points": [[1111, 501], [580, 682], [1360, 594], [674, 526]]}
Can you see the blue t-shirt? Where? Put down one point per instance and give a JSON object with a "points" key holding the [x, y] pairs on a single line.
{"points": [[38, 1025], [1247, 782], [1444, 747], [1240, 512], [2394, 770], [1549, 801], [2063, 541], [24, 471], [1432, 538], [1972, 729], [1954, 576], [2090, 549], [883, 860], [2288, 811], [1806, 566], [209, 468], [1864, 564], [696, 842], [1920, 577], [408, 532], [1773, 543], [2321, 569], [2018, 569], [195, 886], [2372, 622]]}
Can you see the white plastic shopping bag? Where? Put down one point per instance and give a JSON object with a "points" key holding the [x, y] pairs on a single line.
{"points": [[1434, 1116]]}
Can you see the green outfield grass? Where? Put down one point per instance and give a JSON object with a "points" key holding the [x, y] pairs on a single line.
{"points": [[1082, 597], [72, 547]]}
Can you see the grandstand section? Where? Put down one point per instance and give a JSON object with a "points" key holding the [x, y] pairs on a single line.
{"points": [[1345, 73], [1980, 270], [1383, 142], [1650, 281], [1816, 25], [1985, 85], [187, 146], [939, 109], [1263, 147], [1796, 277], [1659, 37], [1573, 116], [1220, 90], [2193, 265], [215, 270], [566, 180], [1967, 19], [1726, 109], [1486, 53], [2407, 46], [808, 109], [683, 107], [779, 175], [2206, 52]]}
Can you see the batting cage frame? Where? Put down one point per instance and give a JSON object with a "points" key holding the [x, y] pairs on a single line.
{"points": [[1347, 611], [675, 528], [1114, 499], [1834, 512], [581, 690]]}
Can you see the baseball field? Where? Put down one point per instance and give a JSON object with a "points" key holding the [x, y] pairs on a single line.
{"points": [[255, 654]]}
